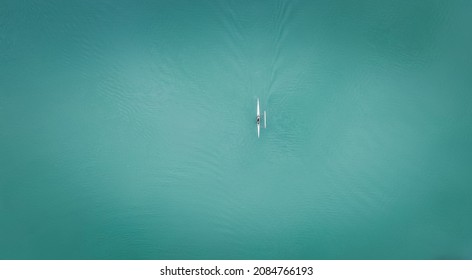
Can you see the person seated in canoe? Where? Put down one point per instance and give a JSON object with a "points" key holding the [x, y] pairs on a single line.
{"points": [[258, 119]]}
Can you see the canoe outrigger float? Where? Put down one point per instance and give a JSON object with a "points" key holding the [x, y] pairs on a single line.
{"points": [[258, 119]]}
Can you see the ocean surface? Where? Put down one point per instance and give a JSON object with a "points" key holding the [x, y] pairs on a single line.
{"points": [[127, 129]]}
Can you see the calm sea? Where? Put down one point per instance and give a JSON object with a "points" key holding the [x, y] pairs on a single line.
{"points": [[127, 129]]}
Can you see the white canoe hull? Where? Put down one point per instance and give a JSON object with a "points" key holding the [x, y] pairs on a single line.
{"points": [[259, 116]]}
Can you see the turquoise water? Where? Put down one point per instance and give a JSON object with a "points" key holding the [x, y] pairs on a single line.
{"points": [[127, 130]]}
